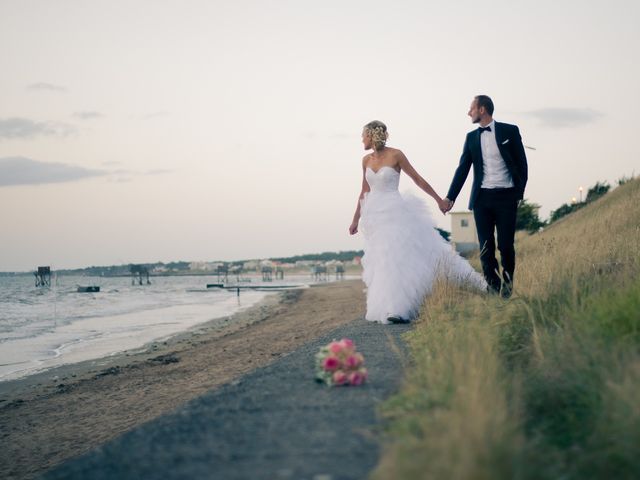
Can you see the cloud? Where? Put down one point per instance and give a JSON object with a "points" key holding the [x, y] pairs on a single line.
{"points": [[46, 87], [157, 171], [88, 115], [16, 127], [25, 171], [565, 117]]}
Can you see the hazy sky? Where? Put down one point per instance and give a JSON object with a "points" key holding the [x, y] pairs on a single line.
{"points": [[145, 131]]}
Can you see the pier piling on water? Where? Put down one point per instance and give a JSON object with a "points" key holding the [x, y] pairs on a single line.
{"points": [[223, 273], [267, 274], [319, 273], [339, 272], [43, 277], [137, 272]]}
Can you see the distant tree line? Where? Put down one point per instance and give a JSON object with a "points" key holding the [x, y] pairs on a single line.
{"points": [[345, 256], [528, 219], [120, 270]]}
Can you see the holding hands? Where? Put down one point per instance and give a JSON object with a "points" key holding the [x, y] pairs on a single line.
{"points": [[445, 205]]}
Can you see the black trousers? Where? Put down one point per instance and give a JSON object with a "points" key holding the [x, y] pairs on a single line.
{"points": [[495, 210]]}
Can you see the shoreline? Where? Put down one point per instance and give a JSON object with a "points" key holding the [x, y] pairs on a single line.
{"points": [[141, 353], [222, 319], [52, 416]]}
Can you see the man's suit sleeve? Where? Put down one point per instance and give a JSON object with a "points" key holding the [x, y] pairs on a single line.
{"points": [[521, 162], [461, 172]]}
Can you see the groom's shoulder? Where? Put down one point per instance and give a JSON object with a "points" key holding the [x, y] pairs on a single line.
{"points": [[507, 126]]}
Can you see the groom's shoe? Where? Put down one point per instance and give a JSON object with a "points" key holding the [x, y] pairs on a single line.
{"points": [[397, 319], [491, 290], [506, 291]]}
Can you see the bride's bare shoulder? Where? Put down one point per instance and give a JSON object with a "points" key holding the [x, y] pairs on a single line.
{"points": [[365, 159], [396, 152]]}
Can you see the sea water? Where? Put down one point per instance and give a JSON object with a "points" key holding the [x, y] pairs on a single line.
{"points": [[44, 327]]}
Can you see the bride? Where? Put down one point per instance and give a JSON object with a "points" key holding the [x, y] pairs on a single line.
{"points": [[403, 253]]}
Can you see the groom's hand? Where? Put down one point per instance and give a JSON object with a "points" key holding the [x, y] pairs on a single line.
{"points": [[443, 205], [449, 205]]}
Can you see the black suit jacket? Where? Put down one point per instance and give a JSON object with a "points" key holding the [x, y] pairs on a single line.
{"points": [[512, 151]]}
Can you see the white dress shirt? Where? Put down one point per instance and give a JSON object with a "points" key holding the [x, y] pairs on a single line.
{"points": [[496, 173]]}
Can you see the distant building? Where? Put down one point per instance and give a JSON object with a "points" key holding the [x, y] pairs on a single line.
{"points": [[464, 237], [203, 266]]}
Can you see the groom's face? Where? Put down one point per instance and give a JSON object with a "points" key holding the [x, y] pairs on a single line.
{"points": [[474, 111]]}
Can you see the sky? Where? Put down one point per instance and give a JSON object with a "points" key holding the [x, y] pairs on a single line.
{"points": [[148, 130]]}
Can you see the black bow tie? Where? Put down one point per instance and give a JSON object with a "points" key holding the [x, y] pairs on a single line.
{"points": [[484, 129]]}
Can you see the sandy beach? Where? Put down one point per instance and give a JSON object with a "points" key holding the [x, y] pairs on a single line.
{"points": [[58, 414]]}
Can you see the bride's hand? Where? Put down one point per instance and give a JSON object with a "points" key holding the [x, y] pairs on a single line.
{"points": [[445, 205], [353, 229]]}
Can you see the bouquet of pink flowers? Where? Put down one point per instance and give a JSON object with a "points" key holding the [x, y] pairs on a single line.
{"points": [[340, 364]]}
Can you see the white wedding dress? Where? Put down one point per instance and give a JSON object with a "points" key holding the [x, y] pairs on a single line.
{"points": [[403, 252]]}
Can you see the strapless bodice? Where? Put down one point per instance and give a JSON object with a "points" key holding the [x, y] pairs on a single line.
{"points": [[386, 179]]}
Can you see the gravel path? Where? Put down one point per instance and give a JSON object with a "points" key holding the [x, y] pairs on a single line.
{"points": [[274, 423]]}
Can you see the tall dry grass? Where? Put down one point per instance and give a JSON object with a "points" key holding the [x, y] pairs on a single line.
{"points": [[542, 386]]}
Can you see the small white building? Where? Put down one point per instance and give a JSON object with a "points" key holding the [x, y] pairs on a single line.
{"points": [[464, 236], [201, 266]]}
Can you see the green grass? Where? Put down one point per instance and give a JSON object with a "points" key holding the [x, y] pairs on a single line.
{"points": [[543, 386]]}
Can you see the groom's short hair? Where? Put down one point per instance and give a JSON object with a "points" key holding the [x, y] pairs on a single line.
{"points": [[486, 102]]}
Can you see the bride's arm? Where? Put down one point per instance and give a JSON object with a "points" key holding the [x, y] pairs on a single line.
{"points": [[353, 229], [407, 168]]}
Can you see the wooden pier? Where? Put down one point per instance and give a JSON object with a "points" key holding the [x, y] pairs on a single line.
{"points": [[139, 271], [264, 288], [43, 277]]}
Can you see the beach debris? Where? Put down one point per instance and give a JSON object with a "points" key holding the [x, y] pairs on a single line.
{"points": [[88, 289], [164, 359], [109, 371], [14, 403], [63, 388]]}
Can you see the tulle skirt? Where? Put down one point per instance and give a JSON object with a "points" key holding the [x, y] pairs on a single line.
{"points": [[404, 254]]}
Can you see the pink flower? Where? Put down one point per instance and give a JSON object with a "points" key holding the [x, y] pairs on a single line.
{"points": [[353, 361], [330, 364], [347, 343], [340, 378], [356, 378], [335, 347]]}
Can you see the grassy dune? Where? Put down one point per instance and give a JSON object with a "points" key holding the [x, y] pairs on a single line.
{"points": [[545, 385]]}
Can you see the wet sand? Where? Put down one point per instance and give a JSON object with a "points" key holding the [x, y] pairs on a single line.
{"points": [[56, 415]]}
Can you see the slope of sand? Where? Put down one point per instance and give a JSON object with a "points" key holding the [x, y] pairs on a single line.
{"points": [[59, 414]]}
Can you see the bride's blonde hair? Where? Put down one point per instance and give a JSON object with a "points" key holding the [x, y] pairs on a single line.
{"points": [[378, 132]]}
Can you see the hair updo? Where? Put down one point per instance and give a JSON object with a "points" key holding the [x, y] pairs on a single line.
{"points": [[378, 132]]}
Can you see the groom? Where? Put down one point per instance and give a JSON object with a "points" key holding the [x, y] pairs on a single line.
{"points": [[499, 177]]}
